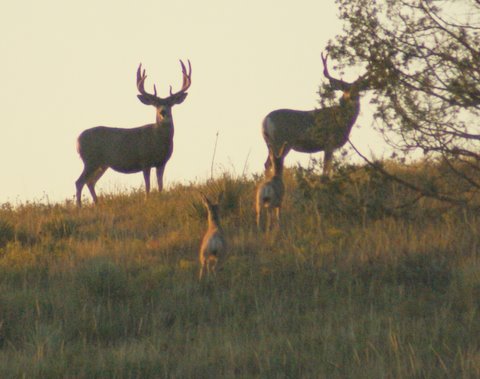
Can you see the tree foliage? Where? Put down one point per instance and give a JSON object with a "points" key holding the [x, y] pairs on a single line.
{"points": [[423, 57]]}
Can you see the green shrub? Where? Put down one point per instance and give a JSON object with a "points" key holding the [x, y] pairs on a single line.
{"points": [[7, 233], [100, 279]]}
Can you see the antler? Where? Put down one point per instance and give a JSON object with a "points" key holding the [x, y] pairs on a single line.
{"points": [[174, 98], [141, 76], [187, 79], [361, 84], [335, 83]]}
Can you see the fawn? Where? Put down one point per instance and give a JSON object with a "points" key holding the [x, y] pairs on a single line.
{"points": [[270, 192], [213, 245]]}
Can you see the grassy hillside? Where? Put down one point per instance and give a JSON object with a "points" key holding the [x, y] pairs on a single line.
{"points": [[366, 280]]}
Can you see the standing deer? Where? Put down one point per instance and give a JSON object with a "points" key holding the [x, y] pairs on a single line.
{"points": [[132, 150], [325, 129], [213, 245], [270, 192]]}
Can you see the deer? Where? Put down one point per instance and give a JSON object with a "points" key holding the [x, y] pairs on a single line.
{"points": [[325, 129], [270, 192], [213, 245], [135, 149]]}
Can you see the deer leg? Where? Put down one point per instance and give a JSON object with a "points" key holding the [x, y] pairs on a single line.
{"points": [[214, 267], [267, 164], [285, 151], [258, 210], [327, 163], [268, 225], [79, 185], [91, 188], [202, 270], [277, 216], [146, 177], [259, 219], [97, 174], [208, 266], [160, 171], [84, 177], [262, 216]]}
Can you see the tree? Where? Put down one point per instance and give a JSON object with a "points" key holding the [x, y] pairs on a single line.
{"points": [[423, 57]]}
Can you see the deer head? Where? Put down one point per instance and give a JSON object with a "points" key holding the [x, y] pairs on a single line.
{"points": [[213, 207], [350, 90], [276, 159], [163, 105]]}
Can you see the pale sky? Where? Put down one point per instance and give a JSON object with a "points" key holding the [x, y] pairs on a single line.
{"points": [[67, 66]]}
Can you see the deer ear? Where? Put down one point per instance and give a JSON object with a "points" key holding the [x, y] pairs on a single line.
{"points": [[144, 99], [205, 199], [178, 99], [339, 85], [363, 83]]}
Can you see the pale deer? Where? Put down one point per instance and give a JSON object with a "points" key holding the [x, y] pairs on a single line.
{"points": [[324, 129], [213, 247], [270, 192], [132, 150]]}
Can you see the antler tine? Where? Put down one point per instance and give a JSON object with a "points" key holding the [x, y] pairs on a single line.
{"points": [[337, 84], [186, 76], [174, 97], [184, 70], [140, 79], [325, 68], [187, 81], [139, 72], [324, 61], [141, 76]]}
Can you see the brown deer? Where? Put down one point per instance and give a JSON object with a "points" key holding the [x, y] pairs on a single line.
{"points": [[132, 150], [325, 129], [270, 192], [213, 245]]}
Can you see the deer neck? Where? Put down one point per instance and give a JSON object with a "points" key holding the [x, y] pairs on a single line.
{"points": [[350, 102], [213, 221], [277, 172], [349, 109], [163, 117], [163, 129], [164, 122]]}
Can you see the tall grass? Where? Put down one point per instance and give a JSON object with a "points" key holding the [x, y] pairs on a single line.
{"points": [[366, 280]]}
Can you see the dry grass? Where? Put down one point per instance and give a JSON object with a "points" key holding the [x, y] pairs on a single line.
{"points": [[361, 283]]}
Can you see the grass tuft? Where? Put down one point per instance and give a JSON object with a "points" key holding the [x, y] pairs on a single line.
{"points": [[366, 279]]}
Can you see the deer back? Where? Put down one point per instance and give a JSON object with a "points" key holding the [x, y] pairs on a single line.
{"points": [[289, 125], [126, 150]]}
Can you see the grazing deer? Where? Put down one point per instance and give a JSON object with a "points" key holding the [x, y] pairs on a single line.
{"points": [[324, 129], [132, 150], [213, 245], [270, 192]]}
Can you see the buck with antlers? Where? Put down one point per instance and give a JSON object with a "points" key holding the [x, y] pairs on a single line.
{"points": [[132, 150], [325, 129]]}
